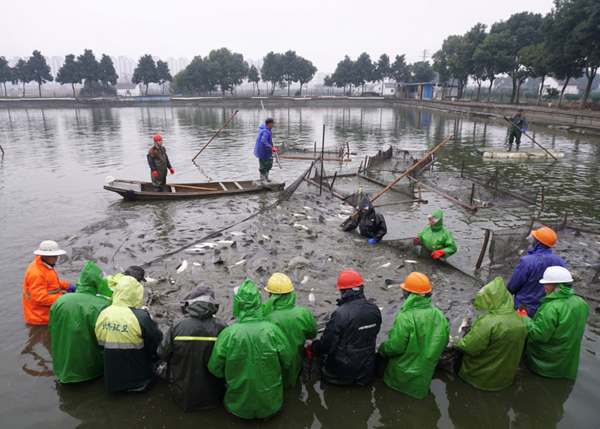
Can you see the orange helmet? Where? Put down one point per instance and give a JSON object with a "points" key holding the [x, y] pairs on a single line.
{"points": [[349, 279], [157, 137], [545, 236], [416, 283]]}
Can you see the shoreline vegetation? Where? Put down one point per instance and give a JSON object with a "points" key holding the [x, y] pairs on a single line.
{"points": [[577, 120]]}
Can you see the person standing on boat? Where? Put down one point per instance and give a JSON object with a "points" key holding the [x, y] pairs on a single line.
{"points": [[515, 131], [159, 163], [263, 150]]}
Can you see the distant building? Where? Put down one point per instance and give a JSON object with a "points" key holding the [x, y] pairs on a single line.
{"points": [[128, 89], [551, 82], [124, 67], [389, 89], [426, 90]]}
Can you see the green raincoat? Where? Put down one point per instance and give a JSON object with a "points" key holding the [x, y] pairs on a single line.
{"points": [[414, 345], [251, 355], [75, 352], [555, 334], [437, 237], [493, 348], [297, 323]]}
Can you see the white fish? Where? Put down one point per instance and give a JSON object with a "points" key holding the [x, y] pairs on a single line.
{"points": [[392, 285], [242, 262], [387, 264], [297, 225], [171, 280], [182, 267], [238, 233], [151, 280], [583, 244], [211, 245], [410, 261], [299, 214], [305, 280], [197, 264], [192, 251], [311, 297], [266, 237], [224, 242], [307, 208]]}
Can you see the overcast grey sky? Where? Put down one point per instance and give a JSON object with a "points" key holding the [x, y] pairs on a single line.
{"points": [[321, 31]]}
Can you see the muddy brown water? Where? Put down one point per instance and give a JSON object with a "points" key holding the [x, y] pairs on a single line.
{"points": [[51, 181]]}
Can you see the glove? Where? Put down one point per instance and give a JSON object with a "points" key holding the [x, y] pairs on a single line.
{"points": [[172, 170], [372, 241], [155, 173], [450, 343], [505, 118], [522, 313], [438, 254], [308, 351], [71, 289], [416, 241], [274, 149], [524, 130]]}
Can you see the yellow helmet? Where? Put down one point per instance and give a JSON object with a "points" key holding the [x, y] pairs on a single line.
{"points": [[279, 284]]}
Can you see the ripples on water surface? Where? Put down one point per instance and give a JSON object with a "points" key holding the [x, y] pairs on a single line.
{"points": [[51, 182]]}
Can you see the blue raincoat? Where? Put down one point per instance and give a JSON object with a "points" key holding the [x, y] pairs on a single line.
{"points": [[525, 281], [264, 143]]}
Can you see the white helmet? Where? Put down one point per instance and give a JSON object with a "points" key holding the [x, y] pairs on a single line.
{"points": [[556, 275], [49, 248]]}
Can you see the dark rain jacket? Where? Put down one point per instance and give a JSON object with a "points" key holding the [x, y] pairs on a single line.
{"points": [[264, 143], [493, 347], [348, 342], [188, 345], [251, 355], [437, 237], [524, 283], [129, 337], [371, 224], [414, 345], [297, 323], [555, 334], [519, 121], [76, 355]]}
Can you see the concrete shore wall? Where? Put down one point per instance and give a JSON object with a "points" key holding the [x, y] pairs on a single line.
{"points": [[573, 120]]}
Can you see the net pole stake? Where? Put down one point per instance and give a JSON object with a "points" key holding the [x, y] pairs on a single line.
{"points": [[483, 249]]}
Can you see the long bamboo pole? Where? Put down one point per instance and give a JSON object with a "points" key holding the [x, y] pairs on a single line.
{"points": [[216, 134], [410, 170], [168, 184], [527, 135], [276, 154]]}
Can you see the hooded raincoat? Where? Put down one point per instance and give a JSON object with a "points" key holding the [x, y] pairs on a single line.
{"points": [[437, 237], [371, 224], [251, 355], [493, 347], [297, 323], [414, 345], [348, 342], [555, 334], [76, 355], [187, 346], [129, 337], [264, 143], [524, 283], [41, 289]]}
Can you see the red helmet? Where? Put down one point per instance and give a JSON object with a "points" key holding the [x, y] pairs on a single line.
{"points": [[157, 137], [349, 279]]}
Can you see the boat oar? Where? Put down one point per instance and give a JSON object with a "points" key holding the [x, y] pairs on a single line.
{"points": [[527, 135], [168, 184], [410, 170], [276, 155], [216, 134]]}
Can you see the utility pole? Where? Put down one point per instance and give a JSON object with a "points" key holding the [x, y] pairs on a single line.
{"points": [[425, 54]]}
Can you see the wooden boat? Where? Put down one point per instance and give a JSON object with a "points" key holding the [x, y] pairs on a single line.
{"points": [[133, 190]]}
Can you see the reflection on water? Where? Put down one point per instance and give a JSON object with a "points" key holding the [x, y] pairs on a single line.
{"points": [[51, 188]]}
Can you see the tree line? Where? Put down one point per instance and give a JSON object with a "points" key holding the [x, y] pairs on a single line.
{"points": [[564, 44], [224, 70]]}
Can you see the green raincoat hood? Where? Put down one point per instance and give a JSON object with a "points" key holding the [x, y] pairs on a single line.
{"points": [[440, 224], [247, 301], [128, 293], [494, 297], [415, 300], [279, 302], [560, 293], [90, 280]]}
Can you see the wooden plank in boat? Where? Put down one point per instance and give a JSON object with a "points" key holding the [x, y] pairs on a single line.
{"points": [[238, 185], [222, 186]]}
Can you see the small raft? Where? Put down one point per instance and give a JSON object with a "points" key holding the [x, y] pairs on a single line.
{"points": [[133, 190], [521, 155]]}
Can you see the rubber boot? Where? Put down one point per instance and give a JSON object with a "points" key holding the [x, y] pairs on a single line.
{"points": [[267, 177], [509, 147], [517, 149], [263, 179]]}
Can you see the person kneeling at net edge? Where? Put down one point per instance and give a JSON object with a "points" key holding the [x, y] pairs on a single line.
{"points": [[349, 339], [435, 239], [416, 341], [370, 224]]}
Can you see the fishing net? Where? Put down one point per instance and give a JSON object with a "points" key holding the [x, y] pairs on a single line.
{"points": [[398, 161], [338, 152], [477, 191]]}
